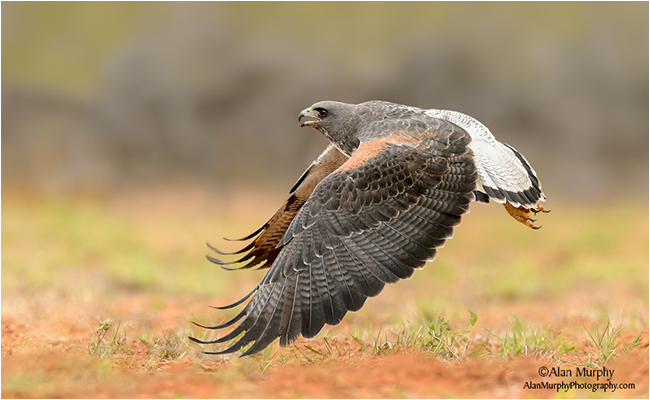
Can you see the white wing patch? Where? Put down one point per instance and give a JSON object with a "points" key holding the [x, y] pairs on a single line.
{"points": [[504, 174]]}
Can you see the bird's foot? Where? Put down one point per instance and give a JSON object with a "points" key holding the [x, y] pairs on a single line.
{"points": [[522, 214], [539, 209]]}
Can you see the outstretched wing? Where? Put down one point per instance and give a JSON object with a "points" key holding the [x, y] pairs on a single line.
{"points": [[263, 249], [373, 221]]}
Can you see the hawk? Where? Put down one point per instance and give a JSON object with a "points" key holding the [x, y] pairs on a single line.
{"points": [[375, 206]]}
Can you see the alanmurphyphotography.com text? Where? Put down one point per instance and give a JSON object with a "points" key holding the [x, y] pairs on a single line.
{"points": [[602, 375]]}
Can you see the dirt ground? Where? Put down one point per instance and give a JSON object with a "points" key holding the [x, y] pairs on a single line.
{"points": [[48, 357], [564, 289]]}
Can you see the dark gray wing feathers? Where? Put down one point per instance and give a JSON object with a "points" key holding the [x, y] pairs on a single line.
{"points": [[360, 229]]}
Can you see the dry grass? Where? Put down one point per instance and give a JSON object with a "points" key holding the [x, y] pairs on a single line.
{"points": [[95, 288]]}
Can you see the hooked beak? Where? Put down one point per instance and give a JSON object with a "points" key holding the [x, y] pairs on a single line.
{"points": [[307, 112]]}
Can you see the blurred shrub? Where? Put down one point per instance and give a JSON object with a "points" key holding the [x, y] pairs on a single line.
{"points": [[111, 95]]}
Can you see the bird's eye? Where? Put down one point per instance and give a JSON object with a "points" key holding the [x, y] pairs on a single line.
{"points": [[322, 113]]}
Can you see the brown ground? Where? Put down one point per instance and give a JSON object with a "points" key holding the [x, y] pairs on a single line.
{"points": [[49, 358], [46, 333]]}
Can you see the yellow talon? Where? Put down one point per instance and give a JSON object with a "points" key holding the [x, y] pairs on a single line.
{"points": [[522, 214]]}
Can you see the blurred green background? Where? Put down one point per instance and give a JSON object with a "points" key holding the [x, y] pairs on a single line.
{"points": [[107, 96]]}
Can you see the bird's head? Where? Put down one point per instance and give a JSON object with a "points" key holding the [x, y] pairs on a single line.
{"points": [[337, 121]]}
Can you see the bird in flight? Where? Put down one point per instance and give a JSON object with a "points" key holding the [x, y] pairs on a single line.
{"points": [[373, 207]]}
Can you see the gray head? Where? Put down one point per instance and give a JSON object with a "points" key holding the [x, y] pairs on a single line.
{"points": [[339, 122]]}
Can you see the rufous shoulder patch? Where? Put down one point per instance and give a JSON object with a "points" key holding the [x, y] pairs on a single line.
{"points": [[372, 148]]}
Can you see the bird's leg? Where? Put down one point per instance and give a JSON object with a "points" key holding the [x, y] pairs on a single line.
{"points": [[522, 214]]}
